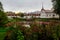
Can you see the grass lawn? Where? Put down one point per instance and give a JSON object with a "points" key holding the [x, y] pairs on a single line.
{"points": [[2, 33], [46, 19]]}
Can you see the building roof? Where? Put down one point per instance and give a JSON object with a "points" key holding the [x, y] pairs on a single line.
{"points": [[36, 13], [48, 11]]}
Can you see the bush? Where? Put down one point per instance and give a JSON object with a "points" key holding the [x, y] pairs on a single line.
{"points": [[14, 34]]}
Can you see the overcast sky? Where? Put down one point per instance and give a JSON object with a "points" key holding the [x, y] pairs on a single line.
{"points": [[25, 5]]}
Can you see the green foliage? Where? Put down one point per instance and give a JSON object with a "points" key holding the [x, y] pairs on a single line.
{"points": [[21, 14], [56, 6], [20, 35], [49, 31], [3, 17], [14, 34], [1, 7]]}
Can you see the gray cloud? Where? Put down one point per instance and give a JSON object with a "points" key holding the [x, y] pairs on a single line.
{"points": [[25, 5]]}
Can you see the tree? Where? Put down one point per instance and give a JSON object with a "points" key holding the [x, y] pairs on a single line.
{"points": [[1, 7], [56, 6], [21, 14], [3, 17]]}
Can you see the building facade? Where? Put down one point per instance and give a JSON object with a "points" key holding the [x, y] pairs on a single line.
{"points": [[42, 14], [37, 14]]}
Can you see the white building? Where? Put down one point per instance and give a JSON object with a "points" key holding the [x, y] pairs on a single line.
{"points": [[42, 14], [48, 14], [37, 14]]}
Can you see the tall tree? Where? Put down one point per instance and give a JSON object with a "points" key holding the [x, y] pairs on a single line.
{"points": [[21, 14], [56, 6], [1, 7], [3, 17]]}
